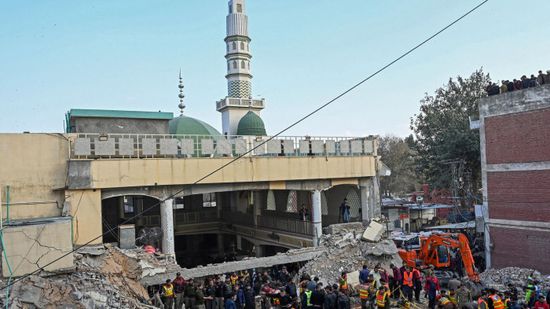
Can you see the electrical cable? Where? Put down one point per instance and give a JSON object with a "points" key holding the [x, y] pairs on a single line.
{"points": [[383, 68]]}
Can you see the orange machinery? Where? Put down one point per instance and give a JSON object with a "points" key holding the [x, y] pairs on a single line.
{"points": [[434, 250]]}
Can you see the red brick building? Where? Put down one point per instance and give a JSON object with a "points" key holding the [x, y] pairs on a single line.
{"points": [[515, 158]]}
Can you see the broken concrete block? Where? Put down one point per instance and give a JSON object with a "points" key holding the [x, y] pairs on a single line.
{"points": [[343, 228], [353, 278], [127, 236], [373, 232]]}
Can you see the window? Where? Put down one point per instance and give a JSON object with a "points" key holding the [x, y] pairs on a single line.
{"points": [[128, 205], [234, 64], [239, 8], [234, 45], [228, 66], [243, 65], [178, 203], [242, 45], [292, 202], [209, 200]]}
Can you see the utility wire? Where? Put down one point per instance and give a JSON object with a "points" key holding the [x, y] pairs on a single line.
{"points": [[261, 144]]}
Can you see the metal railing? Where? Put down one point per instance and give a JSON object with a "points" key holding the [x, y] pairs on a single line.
{"points": [[194, 217], [286, 224], [97, 146], [259, 103], [290, 225]]}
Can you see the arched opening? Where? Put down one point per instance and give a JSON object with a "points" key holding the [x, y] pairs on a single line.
{"points": [[334, 198], [243, 65], [234, 45], [234, 64], [242, 45], [116, 210]]}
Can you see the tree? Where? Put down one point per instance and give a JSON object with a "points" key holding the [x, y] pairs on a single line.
{"points": [[443, 136], [399, 157]]}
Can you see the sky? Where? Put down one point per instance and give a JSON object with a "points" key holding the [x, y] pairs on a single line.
{"points": [[58, 55]]}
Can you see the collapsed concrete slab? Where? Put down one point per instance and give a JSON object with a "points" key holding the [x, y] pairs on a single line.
{"points": [[373, 232], [291, 256]]}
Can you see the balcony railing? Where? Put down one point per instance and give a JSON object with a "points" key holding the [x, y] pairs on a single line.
{"points": [[98, 146], [239, 102], [194, 217], [286, 224], [290, 225]]}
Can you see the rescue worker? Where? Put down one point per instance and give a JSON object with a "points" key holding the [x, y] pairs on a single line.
{"points": [[452, 297], [344, 283], [167, 294], [495, 300], [306, 299], [234, 277], [382, 298], [530, 292], [463, 297], [430, 289], [408, 283], [482, 301], [179, 286], [507, 300], [363, 289], [417, 282], [444, 301]]}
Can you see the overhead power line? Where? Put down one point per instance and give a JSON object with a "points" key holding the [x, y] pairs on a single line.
{"points": [[383, 68]]}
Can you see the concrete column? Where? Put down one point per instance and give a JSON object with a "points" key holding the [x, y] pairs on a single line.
{"points": [[257, 207], [259, 250], [221, 245], [316, 216], [167, 225], [365, 215], [377, 207]]}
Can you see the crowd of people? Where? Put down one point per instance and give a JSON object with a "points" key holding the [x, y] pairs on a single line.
{"points": [[518, 84], [377, 289]]}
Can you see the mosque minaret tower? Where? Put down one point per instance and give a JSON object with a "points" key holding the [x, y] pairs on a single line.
{"points": [[240, 112]]}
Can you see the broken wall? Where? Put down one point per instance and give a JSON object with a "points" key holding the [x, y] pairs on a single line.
{"points": [[34, 166], [85, 207], [31, 245]]}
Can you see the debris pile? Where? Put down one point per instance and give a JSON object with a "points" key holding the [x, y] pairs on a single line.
{"points": [[518, 277], [346, 250], [105, 277]]}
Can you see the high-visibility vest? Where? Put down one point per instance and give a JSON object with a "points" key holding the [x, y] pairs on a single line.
{"points": [[417, 272], [497, 302], [364, 291], [343, 284], [234, 279], [481, 301], [444, 300], [452, 298], [276, 301], [387, 285], [168, 290], [308, 297], [507, 303], [381, 299], [408, 278]]}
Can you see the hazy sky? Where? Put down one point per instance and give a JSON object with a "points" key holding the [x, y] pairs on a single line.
{"points": [[57, 55]]}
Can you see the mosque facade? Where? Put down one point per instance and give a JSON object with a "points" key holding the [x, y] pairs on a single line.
{"points": [[175, 182]]}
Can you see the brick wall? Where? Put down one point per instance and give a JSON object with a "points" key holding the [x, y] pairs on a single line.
{"points": [[521, 195], [520, 137], [524, 248]]}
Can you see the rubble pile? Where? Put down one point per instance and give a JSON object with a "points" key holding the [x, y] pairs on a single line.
{"points": [[105, 277], [500, 278], [346, 250]]}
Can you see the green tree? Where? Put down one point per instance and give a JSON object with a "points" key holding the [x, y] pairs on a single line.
{"points": [[399, 157], [443, 135]]}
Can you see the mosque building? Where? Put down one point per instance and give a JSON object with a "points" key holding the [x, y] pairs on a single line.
{"points": [[177, 183]]}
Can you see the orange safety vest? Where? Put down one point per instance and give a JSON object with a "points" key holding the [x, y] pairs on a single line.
{"points": [[276, 301], [497, 302], [506, 303], [364, 291], [408, 278], [381, 299]]}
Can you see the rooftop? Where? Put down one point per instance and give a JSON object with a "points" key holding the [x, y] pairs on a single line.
{"points": [[104, 113]]}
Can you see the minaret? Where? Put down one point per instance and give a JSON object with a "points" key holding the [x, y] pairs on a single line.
{"points": [[239, 99]]}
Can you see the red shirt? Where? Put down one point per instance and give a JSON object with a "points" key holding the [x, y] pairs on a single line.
{"points": [[540, 305]]}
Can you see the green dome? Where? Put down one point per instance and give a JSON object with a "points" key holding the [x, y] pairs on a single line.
{"points": [[190, 126], [251, 124]]}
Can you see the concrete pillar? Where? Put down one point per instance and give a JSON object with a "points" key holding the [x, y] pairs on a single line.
{"points": [[316, 216], [257, 207], [259, 250], [377, 205], [167, 225], [365, 215], [221, 245]]}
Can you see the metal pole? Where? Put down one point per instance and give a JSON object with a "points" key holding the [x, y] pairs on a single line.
{"points": [[7, 204]]}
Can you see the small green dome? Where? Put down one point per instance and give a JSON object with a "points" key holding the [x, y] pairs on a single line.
{"points": [[251, 124], [190, 126]]}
